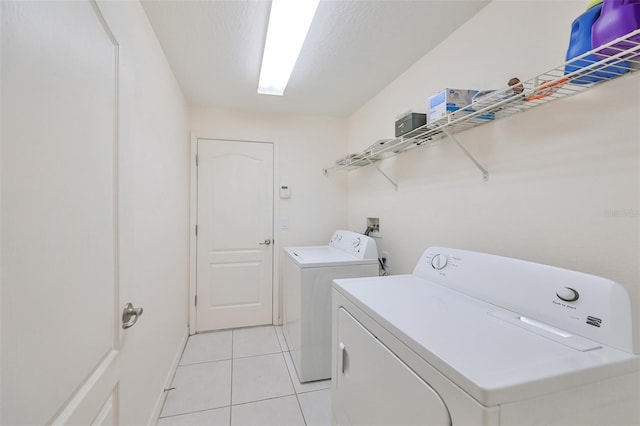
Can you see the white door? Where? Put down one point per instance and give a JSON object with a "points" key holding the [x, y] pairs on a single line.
{"points": [[60, 311], [235, 233]]}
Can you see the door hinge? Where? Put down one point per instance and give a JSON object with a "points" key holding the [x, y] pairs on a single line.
{"points": [[195, 301], [196, 230], [196, 160]]}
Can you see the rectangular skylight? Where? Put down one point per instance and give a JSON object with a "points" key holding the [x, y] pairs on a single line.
{"points": [[289, 24]]}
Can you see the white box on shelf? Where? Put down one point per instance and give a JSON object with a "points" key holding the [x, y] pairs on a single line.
{"points": [[449, 100]]}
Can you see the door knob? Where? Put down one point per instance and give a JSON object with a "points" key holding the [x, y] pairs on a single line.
{"points": [[130, 315], [266, 242]]}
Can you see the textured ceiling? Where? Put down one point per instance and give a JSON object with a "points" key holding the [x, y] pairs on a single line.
{"points": [[353, 50]]}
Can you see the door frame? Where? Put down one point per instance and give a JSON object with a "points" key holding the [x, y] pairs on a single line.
{"points": [[276, 316]]}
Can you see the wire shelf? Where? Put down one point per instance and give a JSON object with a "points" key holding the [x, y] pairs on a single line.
{"points": [[604, 63]]}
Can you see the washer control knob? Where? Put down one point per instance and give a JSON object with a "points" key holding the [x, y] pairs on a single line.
{"points": [[439, 261], [356, 242], [567, 294]]}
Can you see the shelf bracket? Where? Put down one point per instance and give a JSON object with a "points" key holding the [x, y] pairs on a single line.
{"points": [[395, 185], [485, 173]]}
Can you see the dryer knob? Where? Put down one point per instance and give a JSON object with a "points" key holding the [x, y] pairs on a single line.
{"points": [[439, 261], [356, 242]]}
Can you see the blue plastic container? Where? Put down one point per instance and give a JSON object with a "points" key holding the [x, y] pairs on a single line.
{"points": [[580, 43]]}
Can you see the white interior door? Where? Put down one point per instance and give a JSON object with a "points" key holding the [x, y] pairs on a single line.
{"points": [[235, 233], [60, 308]]}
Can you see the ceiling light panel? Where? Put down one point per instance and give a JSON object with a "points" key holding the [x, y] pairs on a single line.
{"points": [[289, 23]]}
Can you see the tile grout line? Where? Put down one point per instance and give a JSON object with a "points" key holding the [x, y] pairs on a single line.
{"points": [[231, 381], [202, 410], [281, 352], [180, 365], [291, 374], [205, 362], [270, 398], [295, 392], [257, 355], [164, 403]]}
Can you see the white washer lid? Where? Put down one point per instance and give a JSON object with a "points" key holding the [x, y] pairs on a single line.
{"points": [[323, 256], [493, 360]]}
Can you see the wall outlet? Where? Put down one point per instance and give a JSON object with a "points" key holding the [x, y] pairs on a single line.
{"points": [[384, 258]]}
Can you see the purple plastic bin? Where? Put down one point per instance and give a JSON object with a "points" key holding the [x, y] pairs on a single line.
{"points": [[580, 43], [617, 18]]}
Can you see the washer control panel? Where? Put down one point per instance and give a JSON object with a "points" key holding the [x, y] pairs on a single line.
{"points": [[358, 245]]}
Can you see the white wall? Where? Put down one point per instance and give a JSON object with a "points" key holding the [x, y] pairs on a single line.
{"points": [[563, 183], [154, 208], [304, 146]]}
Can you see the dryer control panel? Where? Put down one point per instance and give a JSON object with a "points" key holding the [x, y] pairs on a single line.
{"points": [[358, 245], [538, 295]]}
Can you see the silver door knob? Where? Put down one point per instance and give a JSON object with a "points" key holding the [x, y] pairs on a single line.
{"points": [[130, 315], [266, 242]]}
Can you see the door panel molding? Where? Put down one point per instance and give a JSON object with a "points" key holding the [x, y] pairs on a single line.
{"points": [[92, 398]]}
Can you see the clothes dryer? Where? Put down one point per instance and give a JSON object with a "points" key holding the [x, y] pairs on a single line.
{"points": [[307, 277], [476, 339]]}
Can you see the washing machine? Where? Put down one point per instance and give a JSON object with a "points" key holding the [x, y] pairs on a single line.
{"points": [[307, 278], [475, 339]]}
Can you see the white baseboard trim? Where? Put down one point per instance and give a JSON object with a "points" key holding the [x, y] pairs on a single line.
{"points": [[167, 382]]}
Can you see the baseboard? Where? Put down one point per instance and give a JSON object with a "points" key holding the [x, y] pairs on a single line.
{"points": [[167, 382]]}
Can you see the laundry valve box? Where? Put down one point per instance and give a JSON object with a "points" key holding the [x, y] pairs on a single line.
{"points": [[449, 100]]}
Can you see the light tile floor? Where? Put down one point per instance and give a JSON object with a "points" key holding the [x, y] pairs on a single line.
{"points": [[243, 377]]}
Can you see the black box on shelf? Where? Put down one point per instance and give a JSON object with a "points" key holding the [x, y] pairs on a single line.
{"points": [[410, 122]]}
